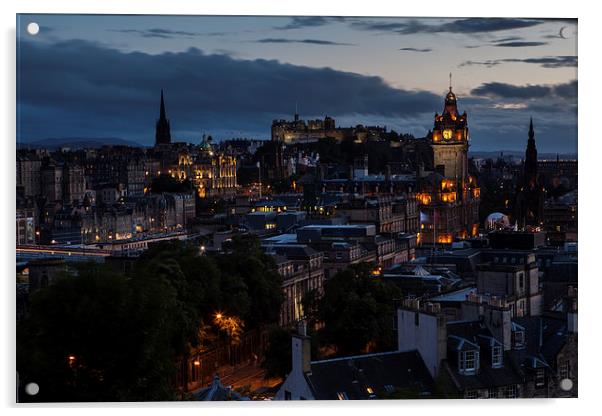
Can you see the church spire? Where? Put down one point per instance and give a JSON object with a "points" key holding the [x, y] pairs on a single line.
{"points": [[531, 158], [162, 130], [450, 82], [162, 111]]}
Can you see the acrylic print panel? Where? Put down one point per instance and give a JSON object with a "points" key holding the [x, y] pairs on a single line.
{"points": [[295, 208]]}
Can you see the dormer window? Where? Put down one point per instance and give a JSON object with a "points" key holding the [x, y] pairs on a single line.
{"points": [[496, 356], [468, 361], [519, 339]]}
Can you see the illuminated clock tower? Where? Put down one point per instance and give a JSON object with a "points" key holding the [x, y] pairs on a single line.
{"points": [[449, 141], [448, 197]]}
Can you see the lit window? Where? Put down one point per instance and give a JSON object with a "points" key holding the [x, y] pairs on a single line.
{"points": [[342, 396]]}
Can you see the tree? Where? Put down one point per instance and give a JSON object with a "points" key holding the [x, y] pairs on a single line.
{"points": [[358, 311], [277, 359], [101, 335], [87, 338]]}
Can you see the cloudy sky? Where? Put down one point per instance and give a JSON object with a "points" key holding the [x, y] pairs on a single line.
{"points": [[100, 76]]}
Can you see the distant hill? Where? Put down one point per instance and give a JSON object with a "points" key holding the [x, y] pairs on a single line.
{"points": [[76, 143], [520, 154]]}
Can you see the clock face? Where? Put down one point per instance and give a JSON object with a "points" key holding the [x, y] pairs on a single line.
{"points": [[447, 134]]}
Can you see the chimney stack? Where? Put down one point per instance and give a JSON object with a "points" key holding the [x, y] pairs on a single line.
{"points": [[301, 345]]}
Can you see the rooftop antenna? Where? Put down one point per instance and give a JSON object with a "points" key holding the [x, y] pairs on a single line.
{"points": [[450, 81]]}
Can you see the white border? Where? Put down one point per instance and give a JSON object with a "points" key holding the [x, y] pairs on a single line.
{"points": [[589, 154]]}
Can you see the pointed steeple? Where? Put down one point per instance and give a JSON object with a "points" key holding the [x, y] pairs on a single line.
{"points": [[162, 111], [450, 100], [162, 129], [531, 158]]}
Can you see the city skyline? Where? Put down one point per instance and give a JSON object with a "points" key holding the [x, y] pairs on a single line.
{"points": [[231, 76]]}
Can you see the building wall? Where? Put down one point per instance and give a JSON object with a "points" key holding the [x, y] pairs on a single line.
{"points": [[296, 383], [423, 332], [453, 158]]}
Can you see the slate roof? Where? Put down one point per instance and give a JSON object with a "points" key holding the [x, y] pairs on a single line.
{"points": [[381, 373], [545, 336], [476, 333]]}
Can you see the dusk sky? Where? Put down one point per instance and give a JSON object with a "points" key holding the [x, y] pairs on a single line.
{"points": [[99, 76]]}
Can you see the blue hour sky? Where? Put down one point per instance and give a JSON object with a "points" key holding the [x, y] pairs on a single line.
{"points": [[100, 76]]}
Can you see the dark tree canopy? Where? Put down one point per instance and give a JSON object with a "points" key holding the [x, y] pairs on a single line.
{"points": [[358, 311], [125, 332]]}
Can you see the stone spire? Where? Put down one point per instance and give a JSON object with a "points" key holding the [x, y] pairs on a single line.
{"points": [[162, 131], [531, 159]]}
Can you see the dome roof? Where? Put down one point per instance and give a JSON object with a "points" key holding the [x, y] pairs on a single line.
{"points": [[497, 220]]}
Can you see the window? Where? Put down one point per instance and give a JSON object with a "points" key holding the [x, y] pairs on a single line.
{"points": [[389, 388], [521, 282], [469, 362], [511, 391], [288, 395], [519, 339], [492, 393], [564, 370], [471, 394], [540, 377], [496, 356]]}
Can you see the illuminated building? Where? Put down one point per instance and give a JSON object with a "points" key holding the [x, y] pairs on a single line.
{"points": [[448, 196], [307, 131], [211, 172]]}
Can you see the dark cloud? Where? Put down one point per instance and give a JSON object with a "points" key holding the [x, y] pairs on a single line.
{"points": [[164, 33], [300, 22], [470, 25], [510, 39], [308, 41], [503, 90], [562, 61], [77, 88], [520, 44], [416, 50]]}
